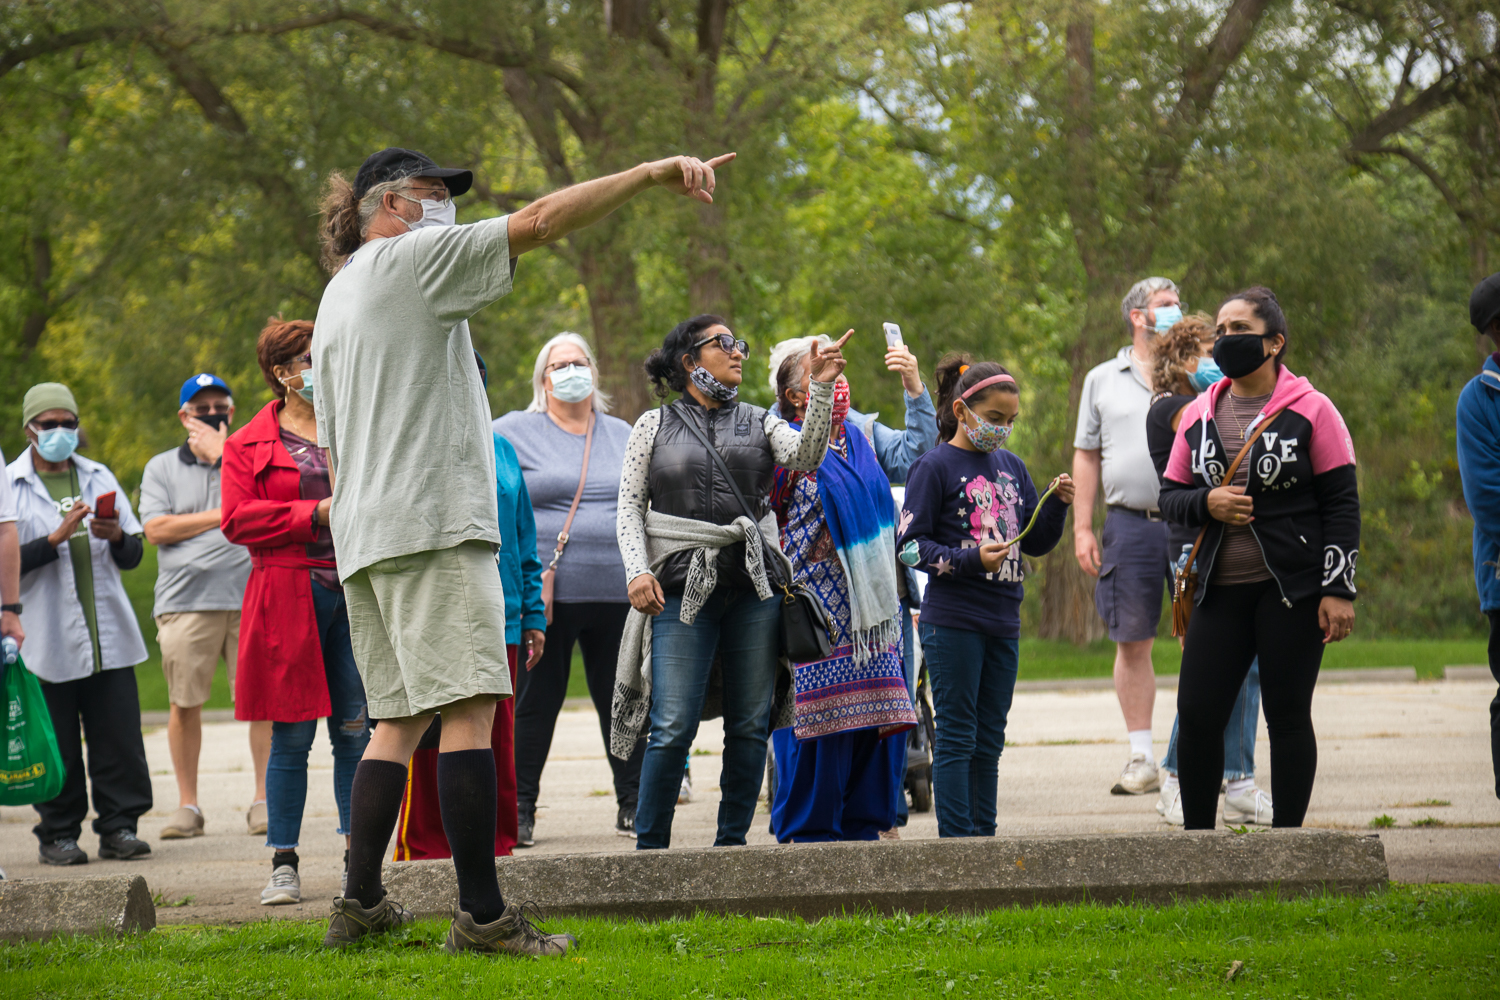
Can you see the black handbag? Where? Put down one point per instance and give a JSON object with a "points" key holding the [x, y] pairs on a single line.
{"points": [[804, 622]]}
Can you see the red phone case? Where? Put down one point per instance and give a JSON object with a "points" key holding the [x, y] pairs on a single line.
{"points": [[105, 506]]}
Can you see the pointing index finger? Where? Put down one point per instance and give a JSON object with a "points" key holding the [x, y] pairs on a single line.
{"points": [[837, 344], [722, 158]]}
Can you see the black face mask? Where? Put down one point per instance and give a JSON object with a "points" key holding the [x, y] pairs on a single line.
{"points": [[214, 420], [1239, 354]]}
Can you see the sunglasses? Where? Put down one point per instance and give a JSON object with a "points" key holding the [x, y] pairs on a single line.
{"points": [[49, 425], [726, 343]]}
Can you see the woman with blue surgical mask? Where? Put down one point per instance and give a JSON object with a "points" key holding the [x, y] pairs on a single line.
{"points": [[1182, 366]]}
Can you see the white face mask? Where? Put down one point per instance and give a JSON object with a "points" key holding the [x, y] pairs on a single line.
{"points": [[434, 213], [572, 384]]}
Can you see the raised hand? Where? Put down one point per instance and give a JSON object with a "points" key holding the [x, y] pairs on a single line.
{"points": [[901, 359], [828, 362], [689, 175]]}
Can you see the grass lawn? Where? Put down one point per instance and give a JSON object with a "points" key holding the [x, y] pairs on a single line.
{"points": [[1409, 941], [1041, 659]]}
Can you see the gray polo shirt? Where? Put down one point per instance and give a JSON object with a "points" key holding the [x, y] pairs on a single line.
{"points": [[206, 572], [1112, 419]]}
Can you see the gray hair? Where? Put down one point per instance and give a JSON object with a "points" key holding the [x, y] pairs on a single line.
{"points": [[794, 347], [369, 205], [538, 375], [1140, 295]]}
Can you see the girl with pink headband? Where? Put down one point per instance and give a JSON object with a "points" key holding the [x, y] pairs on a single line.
{"points": [[966, 503]]}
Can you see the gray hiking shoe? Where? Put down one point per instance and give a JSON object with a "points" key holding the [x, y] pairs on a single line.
{"points": [[350, 921], [513, 933], [285, 887]]}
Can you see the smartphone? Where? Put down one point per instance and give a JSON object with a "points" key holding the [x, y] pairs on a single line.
{"points": [[105, 506], [892, 335]]}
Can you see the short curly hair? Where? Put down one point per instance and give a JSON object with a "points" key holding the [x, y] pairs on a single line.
{"points": [[1173, 351], [279, 344]]}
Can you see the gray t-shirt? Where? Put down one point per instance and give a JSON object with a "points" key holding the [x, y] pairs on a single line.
{"points": [[399, 402], [1112, 419], [206, 572], [591, 568]]}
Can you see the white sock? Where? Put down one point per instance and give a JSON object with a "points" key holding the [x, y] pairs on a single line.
{"points": [[1168, 784], [1240, 786], [1140, 742], [194, 809]]}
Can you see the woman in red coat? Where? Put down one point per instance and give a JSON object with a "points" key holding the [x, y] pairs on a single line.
{"points": [[296, 663]]}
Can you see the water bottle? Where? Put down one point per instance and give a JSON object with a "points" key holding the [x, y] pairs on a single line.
{"points": [[1187, 551], [11, 651]]}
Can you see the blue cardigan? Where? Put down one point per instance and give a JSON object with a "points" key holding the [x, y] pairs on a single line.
{"points": [[520, 569], [1479, 468]]}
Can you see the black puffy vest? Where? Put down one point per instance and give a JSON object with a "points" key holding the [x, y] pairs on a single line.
{"points": [[686, 482]]}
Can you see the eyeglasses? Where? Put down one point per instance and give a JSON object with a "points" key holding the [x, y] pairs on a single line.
{"points": [[443, 197], [726, 343], [204, 409], [50, 425], [560, 365]]}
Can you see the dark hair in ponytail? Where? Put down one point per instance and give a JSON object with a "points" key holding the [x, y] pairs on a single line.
{"points": [[955, 374], [664, 365], [1263, 301]]}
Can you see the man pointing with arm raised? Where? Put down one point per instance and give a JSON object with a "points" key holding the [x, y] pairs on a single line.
{"points": [[404, 416]]}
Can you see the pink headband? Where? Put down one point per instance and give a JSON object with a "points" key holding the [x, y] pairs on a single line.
{"points": [[993, 379]]}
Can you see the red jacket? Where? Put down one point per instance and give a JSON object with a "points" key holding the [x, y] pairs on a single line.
{"points": [[280, 671]]}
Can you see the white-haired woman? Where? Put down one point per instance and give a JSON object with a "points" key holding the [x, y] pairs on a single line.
{"points": [[568, 415]]}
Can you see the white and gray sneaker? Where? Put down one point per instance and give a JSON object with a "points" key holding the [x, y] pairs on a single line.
{"points": [[1138, 778], [285, 887], [1252, 807], [1169, 804]]}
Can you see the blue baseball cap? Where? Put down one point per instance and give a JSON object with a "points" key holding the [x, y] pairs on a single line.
{"points": [[196, 384]]}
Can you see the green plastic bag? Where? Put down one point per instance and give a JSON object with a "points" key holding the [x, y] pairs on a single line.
{"points": [[32, 768]]}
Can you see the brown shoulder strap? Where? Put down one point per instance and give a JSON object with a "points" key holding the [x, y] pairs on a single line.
{"points": [[583, 475], [1229, 478]]}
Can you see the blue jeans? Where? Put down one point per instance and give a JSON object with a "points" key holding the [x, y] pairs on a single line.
{"points": [[743, 630], [348, 731], [1239, 735], [973, 680]]}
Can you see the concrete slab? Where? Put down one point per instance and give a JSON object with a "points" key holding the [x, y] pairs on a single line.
{"points": [[1469, 672], [35, 909], [818, 880]]}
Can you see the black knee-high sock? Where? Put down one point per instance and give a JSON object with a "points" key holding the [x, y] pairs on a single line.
{"points": [[374, 806], [466, 797]]}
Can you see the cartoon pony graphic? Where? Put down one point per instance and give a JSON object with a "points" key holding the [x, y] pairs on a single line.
{"points": [[994, 504]]}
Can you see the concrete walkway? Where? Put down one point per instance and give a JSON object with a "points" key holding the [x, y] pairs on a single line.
{"points": [[1409, 751]]}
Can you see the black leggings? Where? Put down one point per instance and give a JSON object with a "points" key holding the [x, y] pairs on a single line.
{"points": [[1232, 626], [1495, 704], [596, 627]]}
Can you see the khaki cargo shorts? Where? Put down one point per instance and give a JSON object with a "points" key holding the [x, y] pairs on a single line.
{"points": [[428, 629], [192, 643]]}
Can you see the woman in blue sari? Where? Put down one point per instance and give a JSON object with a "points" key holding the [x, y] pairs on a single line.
{"points": [[834, 780]]}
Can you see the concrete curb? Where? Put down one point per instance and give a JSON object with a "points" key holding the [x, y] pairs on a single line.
{"points": [[817, 880], [36, 909]]}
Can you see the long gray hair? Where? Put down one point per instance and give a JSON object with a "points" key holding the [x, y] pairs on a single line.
{"points": [[538, 375]]}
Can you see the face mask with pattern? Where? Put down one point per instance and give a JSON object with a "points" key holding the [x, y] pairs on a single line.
{"points": [[987, 437], [712, 387], [840, 401]]}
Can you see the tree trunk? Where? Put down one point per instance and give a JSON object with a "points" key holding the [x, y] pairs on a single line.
{"points": [[708, 263], [607, 272]]}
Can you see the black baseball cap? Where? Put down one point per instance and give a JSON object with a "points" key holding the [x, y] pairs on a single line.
{"points": [[394, 163], [1484, 304]]}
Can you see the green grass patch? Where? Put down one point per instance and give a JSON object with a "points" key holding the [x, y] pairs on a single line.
{"points": [[1409, 941]]}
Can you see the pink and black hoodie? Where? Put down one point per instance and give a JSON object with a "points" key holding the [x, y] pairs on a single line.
{"points": [[1301, 476]]}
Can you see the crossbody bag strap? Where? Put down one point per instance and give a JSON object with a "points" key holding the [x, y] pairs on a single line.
{"points": [[562, 536], [1229, 478], [774, 574]]}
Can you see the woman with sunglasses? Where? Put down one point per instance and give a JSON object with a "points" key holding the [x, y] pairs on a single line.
{"points": [[696, 566], [296, 664]]}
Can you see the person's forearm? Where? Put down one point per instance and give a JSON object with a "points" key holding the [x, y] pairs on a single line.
{"points": [[169, 529], [1086, 464], [555, 215], [10, 564], [127, 552]]}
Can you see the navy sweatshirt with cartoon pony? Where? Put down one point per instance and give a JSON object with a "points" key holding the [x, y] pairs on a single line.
{"points": [[955, 500]]}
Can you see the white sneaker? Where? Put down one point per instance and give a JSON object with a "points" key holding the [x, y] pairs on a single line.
{"points": [[1252, 807], [285, 887], [685, 793], [1169, 805], [1138, 778]]}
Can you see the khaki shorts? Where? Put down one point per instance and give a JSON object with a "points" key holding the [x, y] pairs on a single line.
{"points": [[428, 629], [191, 644]]}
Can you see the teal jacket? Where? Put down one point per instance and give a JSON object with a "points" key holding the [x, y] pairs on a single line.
{"points": [[520, 569]]}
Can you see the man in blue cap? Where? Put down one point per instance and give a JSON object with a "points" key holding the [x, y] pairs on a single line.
{"points": [[1479, 468], [200, 584]]}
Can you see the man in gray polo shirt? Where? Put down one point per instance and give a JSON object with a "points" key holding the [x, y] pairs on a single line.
{"points": [[1134, 565], [200, 584]]}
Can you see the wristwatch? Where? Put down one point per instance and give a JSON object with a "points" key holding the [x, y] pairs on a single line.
{"points": [[12, 608]]}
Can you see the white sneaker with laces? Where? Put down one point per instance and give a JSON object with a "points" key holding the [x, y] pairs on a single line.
{"points": [[1169, 804], [685, 793], [285, 887], [1138, 777], [1253, 807]]}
